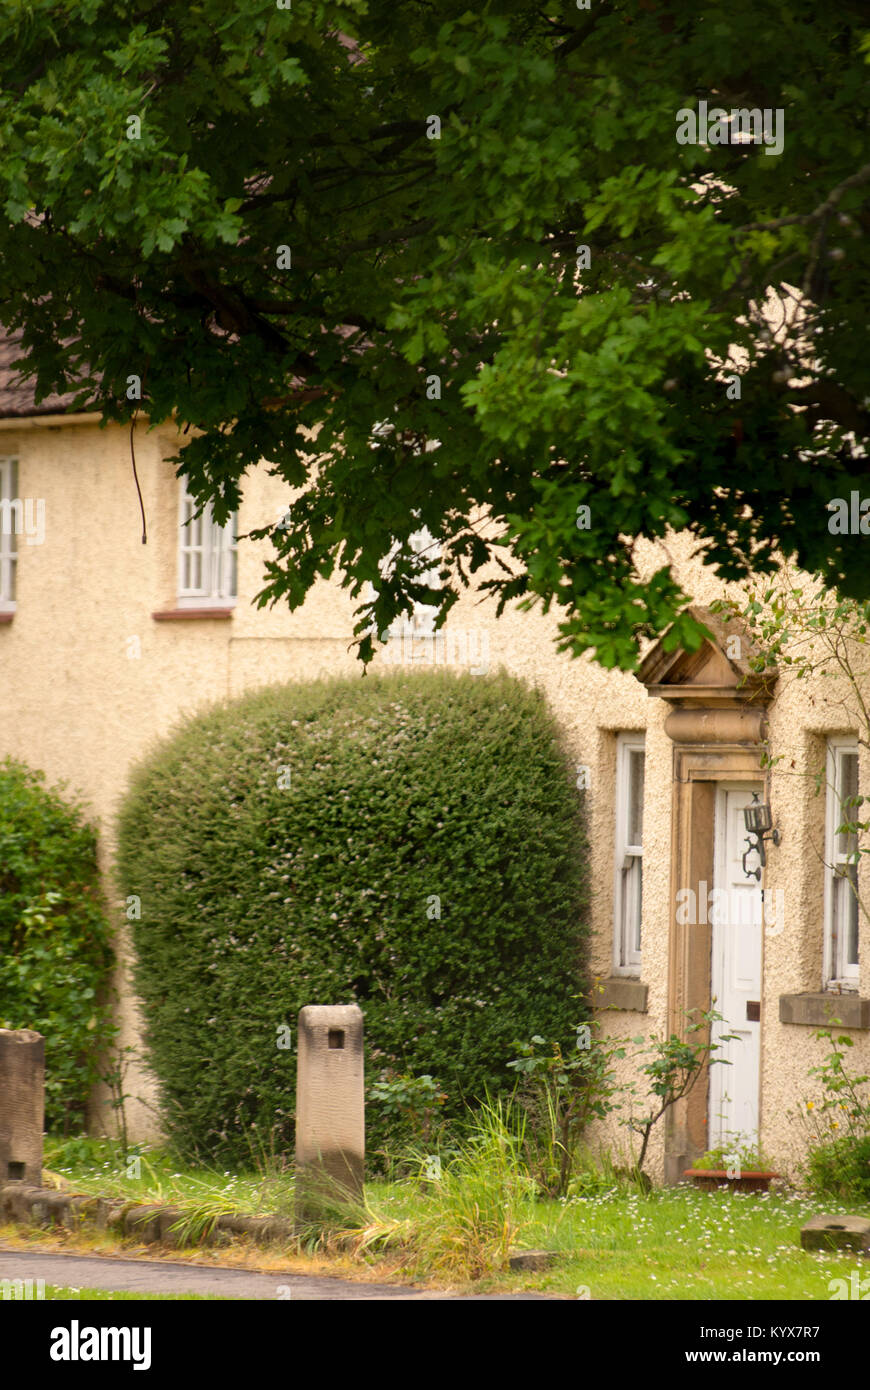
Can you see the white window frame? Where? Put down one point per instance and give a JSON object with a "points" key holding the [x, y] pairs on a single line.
{"points": [[423, 543], [628, 864], [838, 972], [419, 620], [216, 546], [8, 543]]}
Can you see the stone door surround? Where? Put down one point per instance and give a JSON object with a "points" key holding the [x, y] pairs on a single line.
{"points": [[716, 723]]}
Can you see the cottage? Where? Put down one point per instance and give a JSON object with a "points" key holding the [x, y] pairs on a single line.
{"points": [[105, 643]]}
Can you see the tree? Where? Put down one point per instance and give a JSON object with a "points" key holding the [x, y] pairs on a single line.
{"points": [[471, 250], [674, 1066]]}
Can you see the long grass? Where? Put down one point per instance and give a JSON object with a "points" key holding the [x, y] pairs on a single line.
{"points": [[154, 1175], [456, 1227], [457, 1219], [474, 1209]]}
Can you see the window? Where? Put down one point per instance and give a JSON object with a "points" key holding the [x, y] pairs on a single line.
{"points": [[426, 548], [628, 890], [10, 524], [419, 620], [206, 557], [841, 865]]}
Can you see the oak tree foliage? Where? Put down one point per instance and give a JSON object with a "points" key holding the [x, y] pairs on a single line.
{"points": [[283, 240]]}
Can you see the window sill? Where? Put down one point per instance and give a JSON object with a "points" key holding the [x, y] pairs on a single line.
{"points": [[621, 993], [816, 1010], [171, 615], [6, 617]]}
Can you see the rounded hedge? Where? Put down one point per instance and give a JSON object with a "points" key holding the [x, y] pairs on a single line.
{"points": [[298, 846], [55, 940]]}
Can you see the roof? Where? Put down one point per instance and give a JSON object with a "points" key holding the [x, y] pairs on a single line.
{"points": [[719, 670], [17, 397]]}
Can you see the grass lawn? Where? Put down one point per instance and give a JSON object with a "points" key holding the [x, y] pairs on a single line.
{"points": [[682, 1244], [675, 1243]]}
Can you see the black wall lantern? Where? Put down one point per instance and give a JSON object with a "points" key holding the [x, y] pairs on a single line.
{"points": [[758, 821]]}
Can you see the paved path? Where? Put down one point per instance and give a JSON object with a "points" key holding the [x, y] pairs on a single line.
{"points": [[165, 1276]]}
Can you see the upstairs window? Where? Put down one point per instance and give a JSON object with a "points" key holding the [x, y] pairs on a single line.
{"points": [[206, 556], [10, 526], [419, 620], [628, 886], [428, 553], [841, 865]]}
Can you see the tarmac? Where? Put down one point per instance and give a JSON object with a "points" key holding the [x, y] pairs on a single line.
{"points": [[171, 1277]]}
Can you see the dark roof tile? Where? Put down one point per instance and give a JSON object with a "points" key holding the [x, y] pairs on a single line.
{"points": [[17, 398]]}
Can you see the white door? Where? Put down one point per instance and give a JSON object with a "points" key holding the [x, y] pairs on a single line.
{"points": [[736, 921]]}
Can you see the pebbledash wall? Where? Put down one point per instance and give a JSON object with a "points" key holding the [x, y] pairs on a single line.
{"points": [[79, 706]]}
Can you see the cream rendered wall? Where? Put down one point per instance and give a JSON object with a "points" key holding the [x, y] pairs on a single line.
{"points": [[85, 711], [81, 708], [801, 716]]}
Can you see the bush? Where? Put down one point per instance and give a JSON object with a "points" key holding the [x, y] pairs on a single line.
{"points": [[410, 1108], [410, 842], [560, 1092], [841, 1168], [55, 951], [838, 1124], [740, 1156]]}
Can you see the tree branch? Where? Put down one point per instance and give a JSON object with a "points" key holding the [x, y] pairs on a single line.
{"points": [[822, 212], [581, 33], [370, 243], [834, 403]]}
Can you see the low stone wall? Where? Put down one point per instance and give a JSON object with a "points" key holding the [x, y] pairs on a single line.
{"points": [[40, 1206]]}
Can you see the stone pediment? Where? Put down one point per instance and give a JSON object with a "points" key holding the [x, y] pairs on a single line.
{"points": [[719, 673]]}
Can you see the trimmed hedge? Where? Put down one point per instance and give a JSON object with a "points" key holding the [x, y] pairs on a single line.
{"points": [[258, 898], [55, 939]]}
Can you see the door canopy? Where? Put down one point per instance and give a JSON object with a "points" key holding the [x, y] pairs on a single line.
{"points": [[715, 694]]}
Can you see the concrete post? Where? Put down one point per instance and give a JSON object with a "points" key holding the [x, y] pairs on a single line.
{"points": [[22, 1105], [330, 1109]]}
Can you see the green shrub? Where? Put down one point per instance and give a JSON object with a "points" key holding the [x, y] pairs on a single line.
{"points": [[838, 1124], [410, 1108], [55, 951], [741, 1156], [560, 1091], [841, 1168], [298, 846]]}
